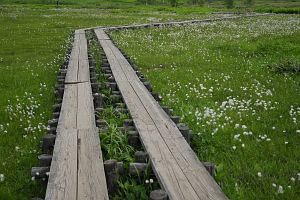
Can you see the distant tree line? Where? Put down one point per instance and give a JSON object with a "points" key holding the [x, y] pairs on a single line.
{"points": [[228, 3]]}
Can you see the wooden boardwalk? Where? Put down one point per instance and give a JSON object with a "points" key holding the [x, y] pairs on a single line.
{"points": [[77, 171], [176, 166]]}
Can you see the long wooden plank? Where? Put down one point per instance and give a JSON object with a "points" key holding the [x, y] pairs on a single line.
{"points": [[91, 178], [180, 172], [169, 173], [71, 76], [185, 157], [68, 113], [62, 183], [86, 117], [83, 65], [77, 171]]}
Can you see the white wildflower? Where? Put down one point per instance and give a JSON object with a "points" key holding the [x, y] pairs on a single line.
{"points": [[2, 177], [259, 174], [280, 189]]}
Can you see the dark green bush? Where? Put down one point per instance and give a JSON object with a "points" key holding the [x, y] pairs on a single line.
{"points": [[286, 66]]}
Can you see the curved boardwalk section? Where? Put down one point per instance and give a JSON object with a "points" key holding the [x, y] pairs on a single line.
{"points": [[178, 169], [77, 168]]}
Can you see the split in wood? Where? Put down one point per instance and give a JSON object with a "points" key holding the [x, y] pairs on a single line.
{"points": [[45, 160], [158, 195], [40, 172], [141, 157], [48, 143]]}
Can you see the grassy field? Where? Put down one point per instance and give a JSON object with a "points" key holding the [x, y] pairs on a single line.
{"points": [[237, 85], [33, 43]]}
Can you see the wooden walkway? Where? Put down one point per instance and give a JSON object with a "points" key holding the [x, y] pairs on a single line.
{"points": [[175, 164], [77, 168]]}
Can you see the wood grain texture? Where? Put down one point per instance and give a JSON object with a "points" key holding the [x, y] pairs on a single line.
{"points": [[77, 171], [180, 172], [72, 71], [91, 178], [68, 113], [83, 65], [86, 116], [62, 183]]}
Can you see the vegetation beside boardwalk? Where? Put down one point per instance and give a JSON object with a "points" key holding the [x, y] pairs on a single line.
{"points": [[236, 84], [33, 43]]}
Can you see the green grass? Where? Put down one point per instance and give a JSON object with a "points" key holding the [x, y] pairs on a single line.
{"points": [[245, 117], [33, 44]]}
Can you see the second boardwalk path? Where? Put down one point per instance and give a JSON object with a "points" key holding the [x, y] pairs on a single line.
{"points": [[176, 166]]}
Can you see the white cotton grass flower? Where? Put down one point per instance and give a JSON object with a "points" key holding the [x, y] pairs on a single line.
{"points": [[146, 181], [2, 177], [280, 189], [292, 179], [151, 180], [234, 147], [274, 185], [259, 174]]}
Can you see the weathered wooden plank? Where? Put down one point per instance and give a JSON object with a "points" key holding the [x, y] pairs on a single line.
{"points": [[72, 71], [68, 113], [86, 116], [83, 65], [77, 168], [62, 183], [91, 178], [180, 172]]}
